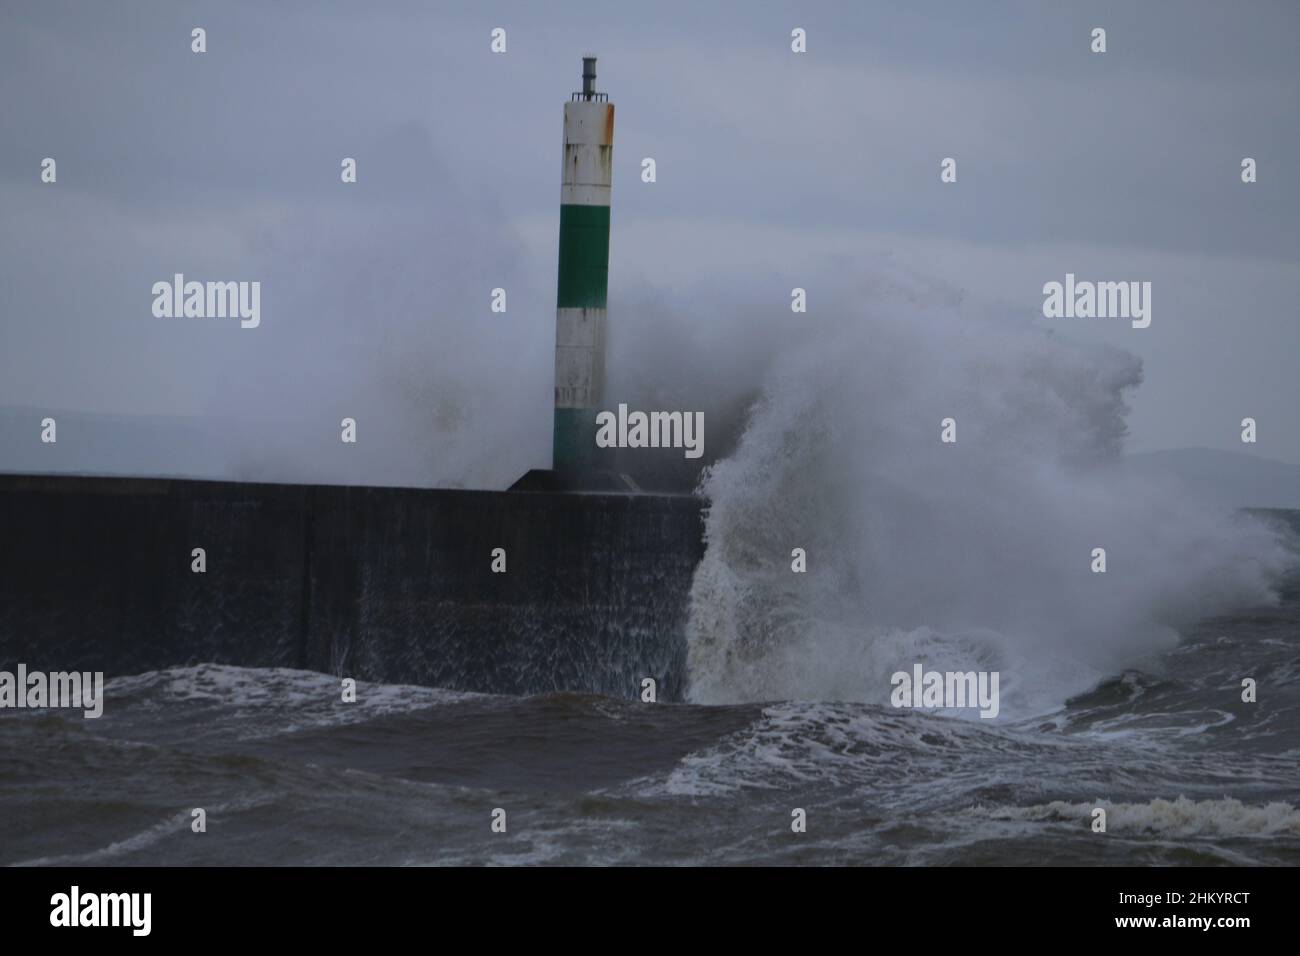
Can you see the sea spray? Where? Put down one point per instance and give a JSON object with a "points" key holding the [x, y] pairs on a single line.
{"points": [[966, 555]]}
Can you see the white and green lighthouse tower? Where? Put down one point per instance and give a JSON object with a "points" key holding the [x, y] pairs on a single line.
{"points": [[583, 274]]}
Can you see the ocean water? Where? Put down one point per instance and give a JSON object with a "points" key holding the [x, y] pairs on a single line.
{"points": [[288, 774]]}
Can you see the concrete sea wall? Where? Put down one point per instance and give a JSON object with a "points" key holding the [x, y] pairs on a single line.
{"points": [[381, 584]]}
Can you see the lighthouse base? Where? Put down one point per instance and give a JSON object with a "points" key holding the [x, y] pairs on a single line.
{"points": [[605, 482]]}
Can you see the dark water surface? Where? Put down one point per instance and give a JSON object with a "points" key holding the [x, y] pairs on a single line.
{"points": [[288, 774]]}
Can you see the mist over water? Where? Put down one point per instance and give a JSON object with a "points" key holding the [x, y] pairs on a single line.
{"points": [[967, 556], [375, 306]]}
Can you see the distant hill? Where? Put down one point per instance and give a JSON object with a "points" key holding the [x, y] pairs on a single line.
{"points": [[1236, 479]]}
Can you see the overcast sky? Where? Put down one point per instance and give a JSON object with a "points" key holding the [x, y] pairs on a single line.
{"points": [[774, 170]]}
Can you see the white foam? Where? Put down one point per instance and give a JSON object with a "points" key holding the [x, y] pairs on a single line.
{"points": [[866, 749], [1182, 817], [269, 701], [176, 824]]}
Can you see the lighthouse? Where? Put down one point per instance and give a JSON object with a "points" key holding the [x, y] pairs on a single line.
{"points": [[583, 279]]}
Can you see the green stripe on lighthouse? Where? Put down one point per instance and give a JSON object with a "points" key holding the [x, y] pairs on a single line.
{"points": [[584, 257], [572, 448]]}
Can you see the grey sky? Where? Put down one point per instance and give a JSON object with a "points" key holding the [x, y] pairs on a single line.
{"points": [[774, 170]]}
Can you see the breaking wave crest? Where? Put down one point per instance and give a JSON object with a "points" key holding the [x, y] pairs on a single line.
{"points": [[967, 555]]}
